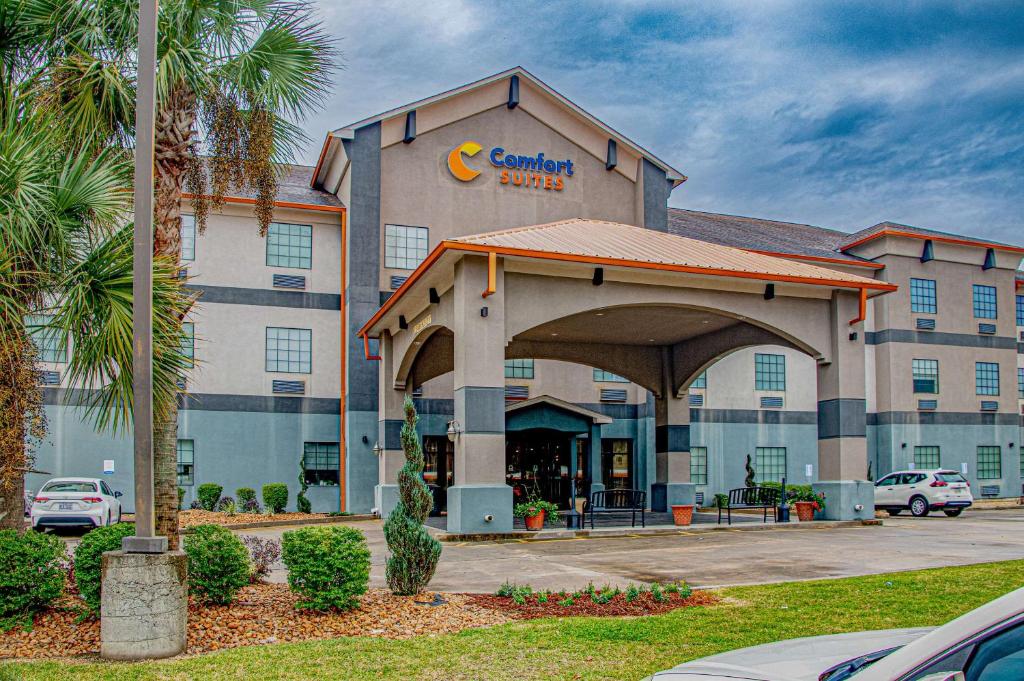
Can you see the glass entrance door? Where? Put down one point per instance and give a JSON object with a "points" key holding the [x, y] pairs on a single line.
{"points": [[538, 464], [438, 469], [617, 463]]}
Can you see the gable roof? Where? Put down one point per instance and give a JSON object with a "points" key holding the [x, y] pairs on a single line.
{"points": [[896, 229], [765, 236], [594, 416], [293, 191], [346, 132]]}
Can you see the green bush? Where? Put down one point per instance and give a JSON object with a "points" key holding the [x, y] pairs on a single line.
{"points": [[33, 576], [209, 495], [87, 559], [275, 497], [218, 564], [181, 497], [329, 567], [244, 494]]}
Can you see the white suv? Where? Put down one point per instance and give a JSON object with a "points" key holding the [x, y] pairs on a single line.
{"points": [[923, 491]]}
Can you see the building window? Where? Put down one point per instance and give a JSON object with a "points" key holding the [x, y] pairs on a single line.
{"points": [[701, 381], [926, 458], [926, 375], [290, 245], [188, 238], [186, 463], [321, 461], [990, 463], [985, 302], [922, 296], [770, 464], [986, 378], [47, 340], [188, 342], [699, 465], [600, 375], [769, 372], [1020, 310], [404, 247], [518, 368], [289, 351], [1020, 382]]}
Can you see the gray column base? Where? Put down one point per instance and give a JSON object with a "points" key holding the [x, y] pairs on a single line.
{"points": [[385, 498], [470, 505], [842, 497], [143, 605], [665, 495]]}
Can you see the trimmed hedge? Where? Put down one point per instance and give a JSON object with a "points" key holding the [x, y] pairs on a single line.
{"points": [[244, 494], [329, 567], [87, 559], [275, 497], [209, 494], [32, 576], [218, 564], [181, 497]]}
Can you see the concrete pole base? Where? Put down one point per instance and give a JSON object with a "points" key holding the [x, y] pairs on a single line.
{"points": [[143, 605]]}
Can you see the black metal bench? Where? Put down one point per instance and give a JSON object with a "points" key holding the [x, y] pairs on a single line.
{"points": [[751, 497], [616, 501]]}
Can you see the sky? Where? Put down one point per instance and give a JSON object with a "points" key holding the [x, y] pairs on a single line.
{"points": [[837, 114]]}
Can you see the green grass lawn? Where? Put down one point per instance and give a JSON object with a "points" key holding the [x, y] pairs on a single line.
{"points": [[594, 648]]}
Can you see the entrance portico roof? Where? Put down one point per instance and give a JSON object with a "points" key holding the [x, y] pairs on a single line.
{"points": [[595, 417], [613, 245]]}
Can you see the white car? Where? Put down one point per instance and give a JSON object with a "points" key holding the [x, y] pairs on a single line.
{"points": [[986, 644], [923, 491], [75, 502]]}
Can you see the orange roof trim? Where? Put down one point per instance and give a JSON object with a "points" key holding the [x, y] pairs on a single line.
{"points": [[933, 237]]}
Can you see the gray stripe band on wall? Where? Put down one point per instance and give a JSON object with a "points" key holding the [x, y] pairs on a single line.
{"points": [[483, 407], [671, 438], [964, 340], [842, 417], [269, 404], [392, 433], [940, 418], [234, 295]]}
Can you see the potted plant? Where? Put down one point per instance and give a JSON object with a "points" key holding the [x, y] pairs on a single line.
{"points": [[806, 501], [682, 514], [535, 512]]}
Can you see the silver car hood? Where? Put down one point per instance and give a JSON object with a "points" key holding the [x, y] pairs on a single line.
{"points": [[799, 659]]}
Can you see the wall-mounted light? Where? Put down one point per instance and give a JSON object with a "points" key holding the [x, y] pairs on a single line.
{"points": [[377, 449], [454, 429]]}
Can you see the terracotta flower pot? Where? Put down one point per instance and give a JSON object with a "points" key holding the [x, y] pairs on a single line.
{"points": [[535, 522], [805, 511], [682, 515]]}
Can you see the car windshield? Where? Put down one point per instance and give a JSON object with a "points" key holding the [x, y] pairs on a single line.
{"points": [[949, 476], [70, 486], [845, 670]]}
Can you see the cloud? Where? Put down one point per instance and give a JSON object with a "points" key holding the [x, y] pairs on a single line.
{"points": [[841, 114]]}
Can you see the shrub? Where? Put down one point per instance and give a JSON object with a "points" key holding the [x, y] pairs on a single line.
{"points": [[329, 567], [275, 497], [87, 559], [263, 553], [195, 505], [244, 494], [632, 593], [302, 504], [251, 506], [209, 494], [414, 553], [32, 577], [226, 505], [218, 564], [181, 497]]}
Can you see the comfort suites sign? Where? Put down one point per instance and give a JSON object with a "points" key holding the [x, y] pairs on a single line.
{"points": [[533, 172]]}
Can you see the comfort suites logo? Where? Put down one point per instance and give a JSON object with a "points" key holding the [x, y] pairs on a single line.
{"points": [[534, 171]]}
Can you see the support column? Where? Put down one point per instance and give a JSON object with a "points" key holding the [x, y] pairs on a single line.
{"points": [[842, 418], [672, 484], [596, 479], [389, 429], [480, 502]]}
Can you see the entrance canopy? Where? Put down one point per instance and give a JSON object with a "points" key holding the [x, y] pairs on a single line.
{"points": [[551, 413]]}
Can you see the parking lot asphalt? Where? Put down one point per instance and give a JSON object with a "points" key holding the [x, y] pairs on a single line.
{"points": [[717, 558]]}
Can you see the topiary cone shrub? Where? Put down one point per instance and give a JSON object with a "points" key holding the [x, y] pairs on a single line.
{"points": [[414, 553]]}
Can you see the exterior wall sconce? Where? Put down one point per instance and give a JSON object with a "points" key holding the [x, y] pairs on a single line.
{"points": [[454, 429], [377, 449]]}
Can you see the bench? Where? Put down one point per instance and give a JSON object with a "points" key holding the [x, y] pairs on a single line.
{"points": [[751, 497], [616, 501]]}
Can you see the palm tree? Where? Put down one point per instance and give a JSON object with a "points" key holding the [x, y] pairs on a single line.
{"points": [[66, 252], [241, 73]]}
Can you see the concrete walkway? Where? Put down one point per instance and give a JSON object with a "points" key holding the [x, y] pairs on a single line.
{"points": [[739, 556]]}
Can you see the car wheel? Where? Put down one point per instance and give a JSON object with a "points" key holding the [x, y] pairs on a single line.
{"points": [[108, 519], [118, 515], [953, 512], [919, 507], [894, 511]]}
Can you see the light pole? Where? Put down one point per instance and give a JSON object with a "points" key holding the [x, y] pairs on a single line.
{"points": [[144, 595]]}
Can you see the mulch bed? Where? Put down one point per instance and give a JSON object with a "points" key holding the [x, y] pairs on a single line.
{"points": [[262, 613], [583, 606], [193, 517]]}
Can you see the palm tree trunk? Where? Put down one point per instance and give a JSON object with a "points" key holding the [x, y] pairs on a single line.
{"points": [[173, 137], [21, 421]]}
